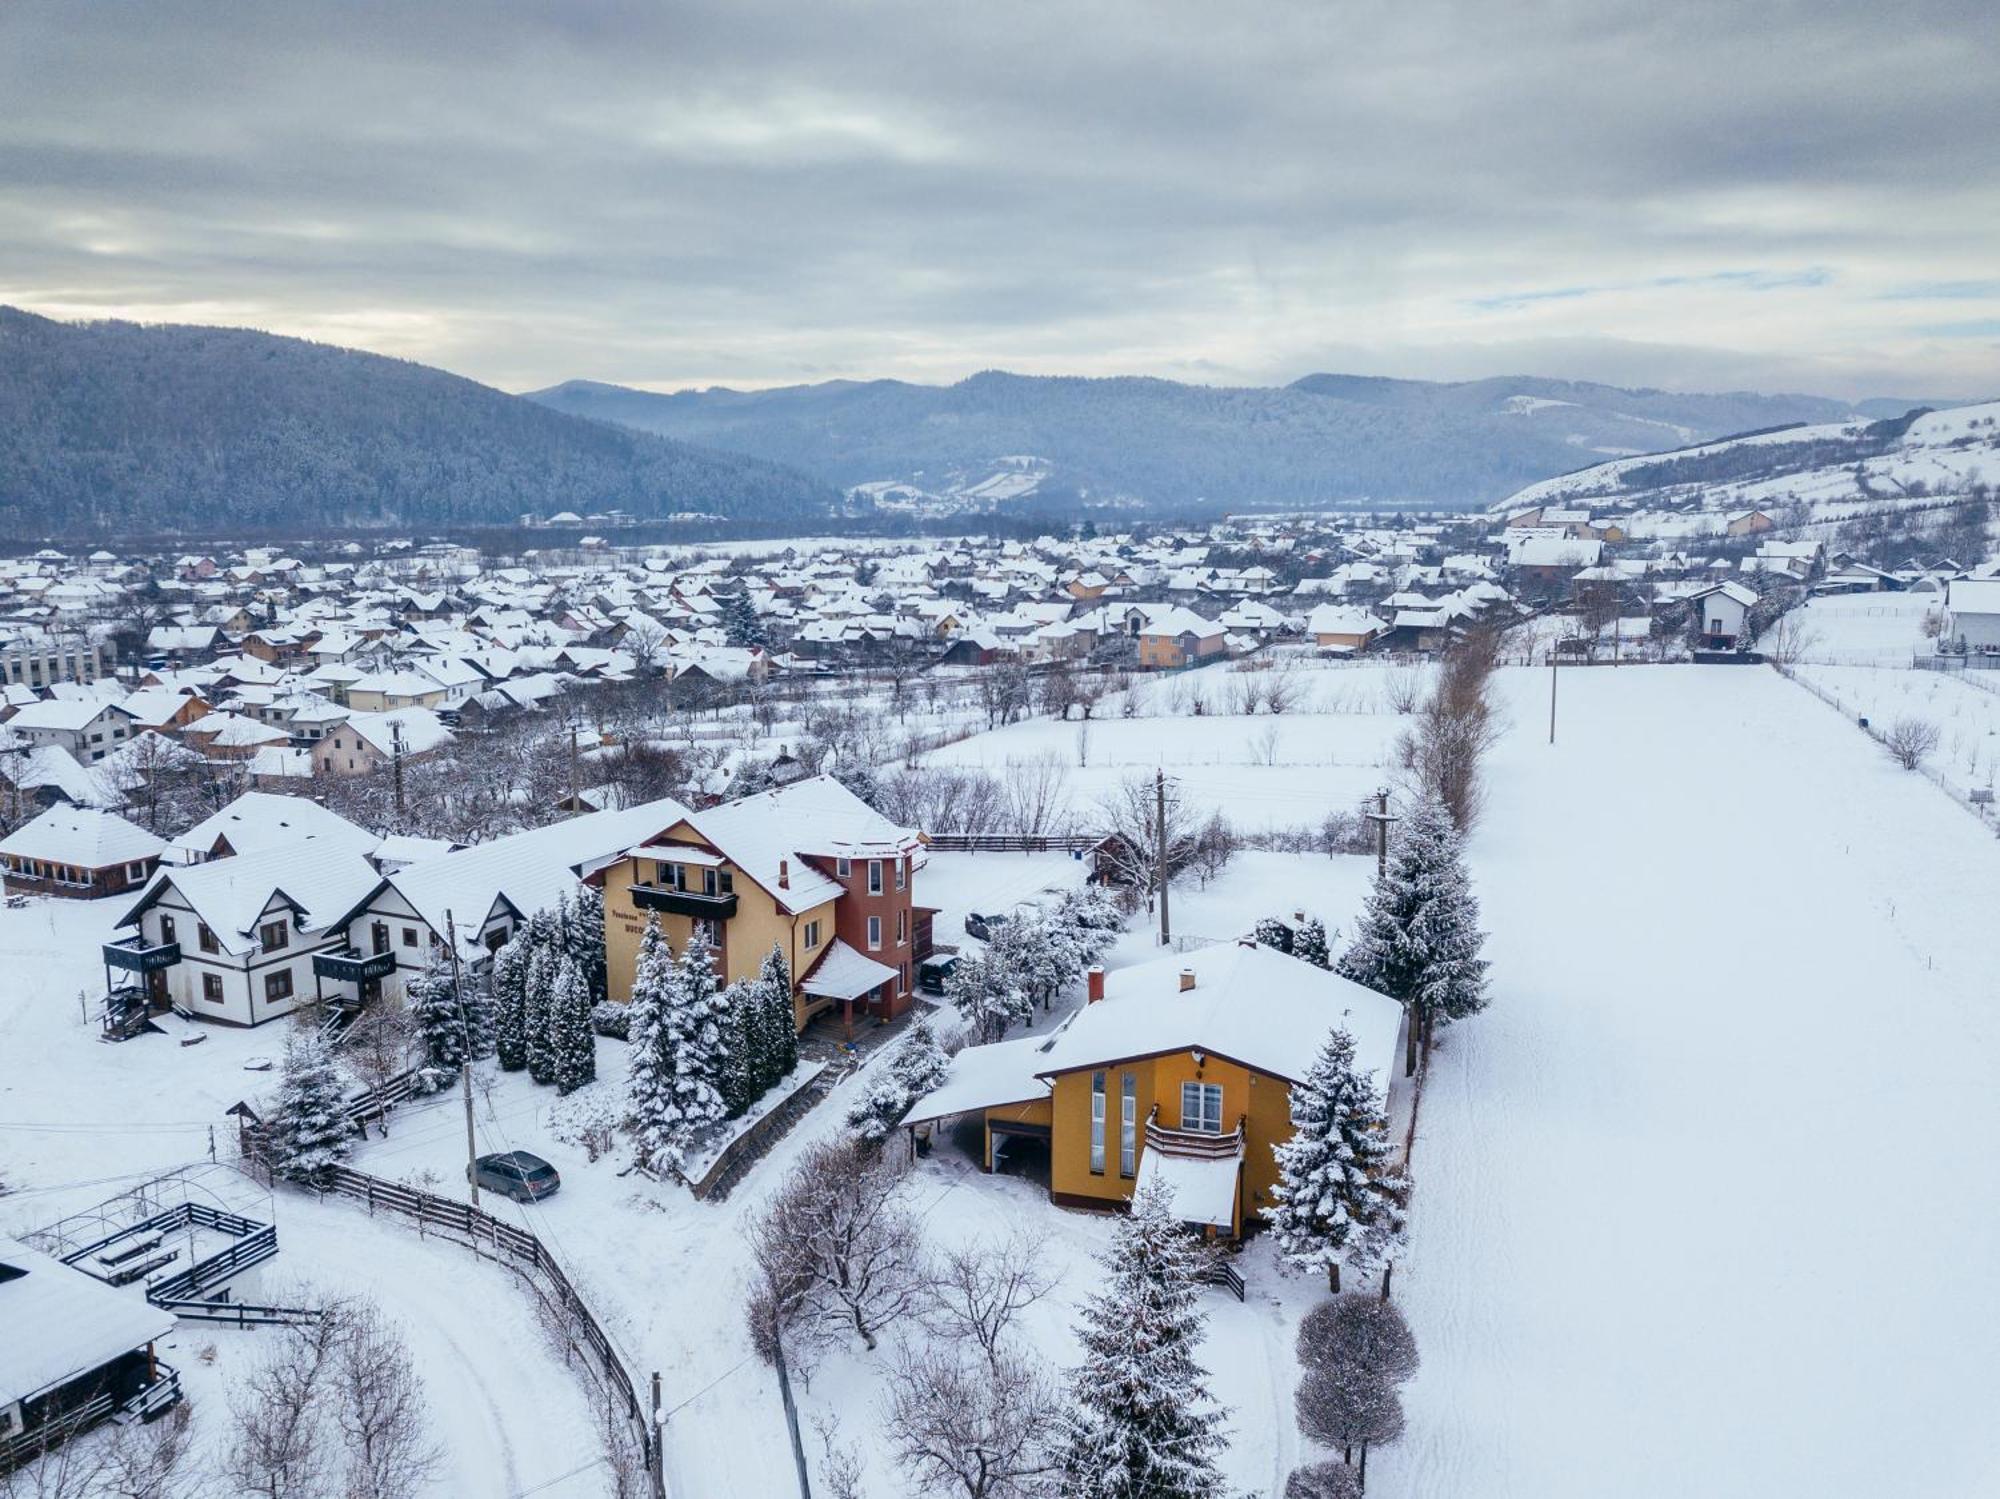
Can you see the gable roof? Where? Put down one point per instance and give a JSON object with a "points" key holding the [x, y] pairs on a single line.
{"points": [[322, 881], [82, 836], [260, 820], [61, 1322]]}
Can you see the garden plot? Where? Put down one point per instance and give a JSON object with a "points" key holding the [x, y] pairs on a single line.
{"points": [[1962, 706], [1866, 629]]}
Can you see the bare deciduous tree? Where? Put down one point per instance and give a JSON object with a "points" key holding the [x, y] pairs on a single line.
{"points": [[836, 1248], [1037, 792], [380, 1410], [975, 1293], [1910, 741], [971, 1427], [279, 1445]]}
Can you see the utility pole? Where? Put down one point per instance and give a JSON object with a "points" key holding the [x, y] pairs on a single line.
{"points": [[572, 764], [465, 1057], [1160, 851], [1381, 818], [1552, 691], [396, 764]]}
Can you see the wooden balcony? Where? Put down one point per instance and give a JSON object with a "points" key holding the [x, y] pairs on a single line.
{"points": [[683, 902], [133, 955], [1194, 1144], [347, 966]]}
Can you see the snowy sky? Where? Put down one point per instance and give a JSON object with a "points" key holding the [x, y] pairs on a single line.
{"points": [[1786, 194]]}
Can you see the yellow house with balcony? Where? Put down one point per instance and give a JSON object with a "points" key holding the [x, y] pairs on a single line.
{"points": [[1179, 1069]]}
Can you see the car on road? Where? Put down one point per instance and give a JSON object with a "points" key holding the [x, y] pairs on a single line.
{"points": [[983, 927], [516, 1174]]}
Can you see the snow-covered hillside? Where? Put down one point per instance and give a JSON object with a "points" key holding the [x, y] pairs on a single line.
{"points": [[1833, 468]]}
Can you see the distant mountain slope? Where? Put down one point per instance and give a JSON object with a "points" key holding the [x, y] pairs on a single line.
{"points": [[1324, 439], [116, 426], [1843, 464]]}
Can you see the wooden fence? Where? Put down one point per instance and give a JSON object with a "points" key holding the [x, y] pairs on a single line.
{"points": [[524, 1253], [1014, 843]]}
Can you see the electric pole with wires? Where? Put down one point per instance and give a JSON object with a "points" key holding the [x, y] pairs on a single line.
{"points": [[1160, 853], [465, 1057]]}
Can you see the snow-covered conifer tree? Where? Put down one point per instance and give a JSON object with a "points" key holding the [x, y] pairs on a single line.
{"points": [[434, 1010], [1310, 945], [510, 999], [309, 1133], [1336, 1196], [538, 1009], [916, 1066], [1142, 1423], [649, 1078], [572, 1043], [776, 975], [695, 1039], [1418, 941], [1273, 933], [737, 1021], [586, 938]]}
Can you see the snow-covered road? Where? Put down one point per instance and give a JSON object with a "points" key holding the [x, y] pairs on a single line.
{"points": [[1706, 1202]]}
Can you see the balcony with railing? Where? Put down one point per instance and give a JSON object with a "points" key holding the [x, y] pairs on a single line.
{"points": [[350, 965], [1193, 1144], [135, 955], [716, 907]]}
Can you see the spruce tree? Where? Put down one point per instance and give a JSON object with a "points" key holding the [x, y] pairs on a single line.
{"points": [[916, 1066], [695, 1039], [1336, 1196], [1273, 933], [1142, 1424], [587, 940], [538, 1012], [1310, 945], [776, 976], [572, 1044], [649, 1076], [434, 1010], [1418, 941], [309, 1132], [510, 998], [737, 1019]]}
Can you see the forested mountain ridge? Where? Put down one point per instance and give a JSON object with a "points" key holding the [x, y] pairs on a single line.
{"points": [[1324, 439], [110, 427]]}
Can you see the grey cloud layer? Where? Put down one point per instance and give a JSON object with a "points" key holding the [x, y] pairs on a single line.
{"points": [[761, 192]]}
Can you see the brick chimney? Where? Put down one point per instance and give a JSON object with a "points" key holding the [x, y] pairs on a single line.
{"points": [[784, 874], [1187, 979], [1093, 978]]}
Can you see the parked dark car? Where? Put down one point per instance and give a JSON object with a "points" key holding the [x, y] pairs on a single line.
{"points": [[983, 927], [516, 1174], [934, 970]]}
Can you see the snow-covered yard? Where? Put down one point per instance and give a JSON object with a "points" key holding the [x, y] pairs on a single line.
{"points": [[1704, 1199]]}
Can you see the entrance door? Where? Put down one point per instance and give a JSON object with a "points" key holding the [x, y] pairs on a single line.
{"points": [[156, 989], [378, 934]]}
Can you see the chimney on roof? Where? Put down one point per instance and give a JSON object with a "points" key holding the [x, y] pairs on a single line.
{"points": [[784, 874], [1093, 978], [1298, 918], [1187, 979]]}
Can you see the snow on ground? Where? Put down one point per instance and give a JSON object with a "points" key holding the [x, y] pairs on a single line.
{"points": [[1963, 706], [1867, 629], [1261, 771], [1703, 1200], [82, 1121]]}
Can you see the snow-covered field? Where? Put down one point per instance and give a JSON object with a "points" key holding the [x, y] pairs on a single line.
{"points": [[1325, 753], [1704, 1200], [1866, 629]]}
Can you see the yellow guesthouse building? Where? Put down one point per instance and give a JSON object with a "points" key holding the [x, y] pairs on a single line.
{"points": [[1179, 1069]]}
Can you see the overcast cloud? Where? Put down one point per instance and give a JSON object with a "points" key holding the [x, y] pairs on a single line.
{"points": [[1772, 195]]}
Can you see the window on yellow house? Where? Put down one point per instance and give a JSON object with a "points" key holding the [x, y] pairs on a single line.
{"points": [[1097, 1123], [812, 935], [1128, 1124], [1201, 1107]]}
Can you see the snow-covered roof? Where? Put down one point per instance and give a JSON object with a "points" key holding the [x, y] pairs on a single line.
{"points": [[531, 871], [70, 714], [1251, 1004], [259, 820], [82, 836], [844, 972], [815, 816], [986, 1077], [1973, 596], [1200, 1189], [61, 1322]]}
